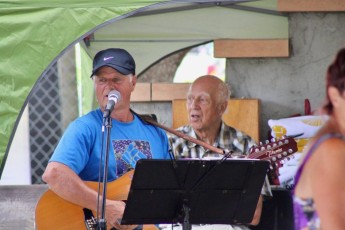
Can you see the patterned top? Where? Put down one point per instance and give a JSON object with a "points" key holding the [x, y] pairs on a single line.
{"points": [[305, 213], [229, 138]]}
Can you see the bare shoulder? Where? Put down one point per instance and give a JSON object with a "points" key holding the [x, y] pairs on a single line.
{"points": [[331, 147], [330, 155]]}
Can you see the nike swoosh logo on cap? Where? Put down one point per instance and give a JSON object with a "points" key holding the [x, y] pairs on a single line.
{"points": [[107, 58]]}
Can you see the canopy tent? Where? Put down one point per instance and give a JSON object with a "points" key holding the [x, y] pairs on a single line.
{"points": [[35, 33]]}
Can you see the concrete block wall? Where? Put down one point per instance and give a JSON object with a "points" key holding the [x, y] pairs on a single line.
{"points": [[282, 84]]}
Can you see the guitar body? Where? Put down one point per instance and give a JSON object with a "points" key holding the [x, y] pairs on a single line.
{"points": [[54, 212]]}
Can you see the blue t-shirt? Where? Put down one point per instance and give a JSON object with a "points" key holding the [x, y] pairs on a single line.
{"points": [[80, 147]]}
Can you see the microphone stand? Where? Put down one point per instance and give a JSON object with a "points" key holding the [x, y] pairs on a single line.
{"points": [[102, 223], [149, 120]]}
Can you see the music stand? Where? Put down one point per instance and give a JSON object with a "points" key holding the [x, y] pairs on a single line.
{"points": [[196, 191]]}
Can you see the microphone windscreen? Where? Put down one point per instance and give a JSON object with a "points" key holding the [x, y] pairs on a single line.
{"points": [[114, 95]]}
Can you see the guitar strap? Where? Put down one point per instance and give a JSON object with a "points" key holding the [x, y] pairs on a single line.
{"points": [[149, 120]]}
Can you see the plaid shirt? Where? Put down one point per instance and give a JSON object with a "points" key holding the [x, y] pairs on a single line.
{"points": [[229, 138]]}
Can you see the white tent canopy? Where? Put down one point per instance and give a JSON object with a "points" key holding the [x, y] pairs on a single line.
{"points": [[163, 29]]}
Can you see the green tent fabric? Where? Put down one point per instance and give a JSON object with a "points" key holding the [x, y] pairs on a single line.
{"points": [[35, 33]]}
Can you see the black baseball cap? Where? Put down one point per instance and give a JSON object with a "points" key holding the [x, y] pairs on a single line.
{"points": [[117, 58]]}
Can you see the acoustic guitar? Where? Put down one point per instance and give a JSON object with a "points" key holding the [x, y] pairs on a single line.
{"points": [[54, 212]]}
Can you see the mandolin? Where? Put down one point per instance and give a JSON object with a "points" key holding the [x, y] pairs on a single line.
{"points": [[276, 151]]}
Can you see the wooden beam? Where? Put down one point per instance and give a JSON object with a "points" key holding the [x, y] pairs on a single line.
{"points": [[142, 92], [169, 91], [243, 48], [311, 5]]}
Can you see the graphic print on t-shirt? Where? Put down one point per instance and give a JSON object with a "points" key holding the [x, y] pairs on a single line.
{"points": [[128, 152]]}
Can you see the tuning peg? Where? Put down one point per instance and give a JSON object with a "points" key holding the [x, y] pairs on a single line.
{"points": [[268, 146], [273, 158], [290, 151], [267, 141], [273, 139], [263, 148], [280, 143], [285, 153], [282, 162]]}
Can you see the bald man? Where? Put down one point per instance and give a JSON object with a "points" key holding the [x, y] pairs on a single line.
{"points": [[207, 100]]}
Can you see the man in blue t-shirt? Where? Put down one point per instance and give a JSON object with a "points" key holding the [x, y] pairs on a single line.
{"points": [[79, 153]]}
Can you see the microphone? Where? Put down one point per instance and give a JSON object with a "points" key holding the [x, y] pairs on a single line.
{"points": [[114, 97]]}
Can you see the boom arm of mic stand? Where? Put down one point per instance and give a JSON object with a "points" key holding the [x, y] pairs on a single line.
{"points": [[148, 119]]}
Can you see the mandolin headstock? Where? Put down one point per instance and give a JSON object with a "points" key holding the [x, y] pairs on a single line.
{"points": [[274, 151]]}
